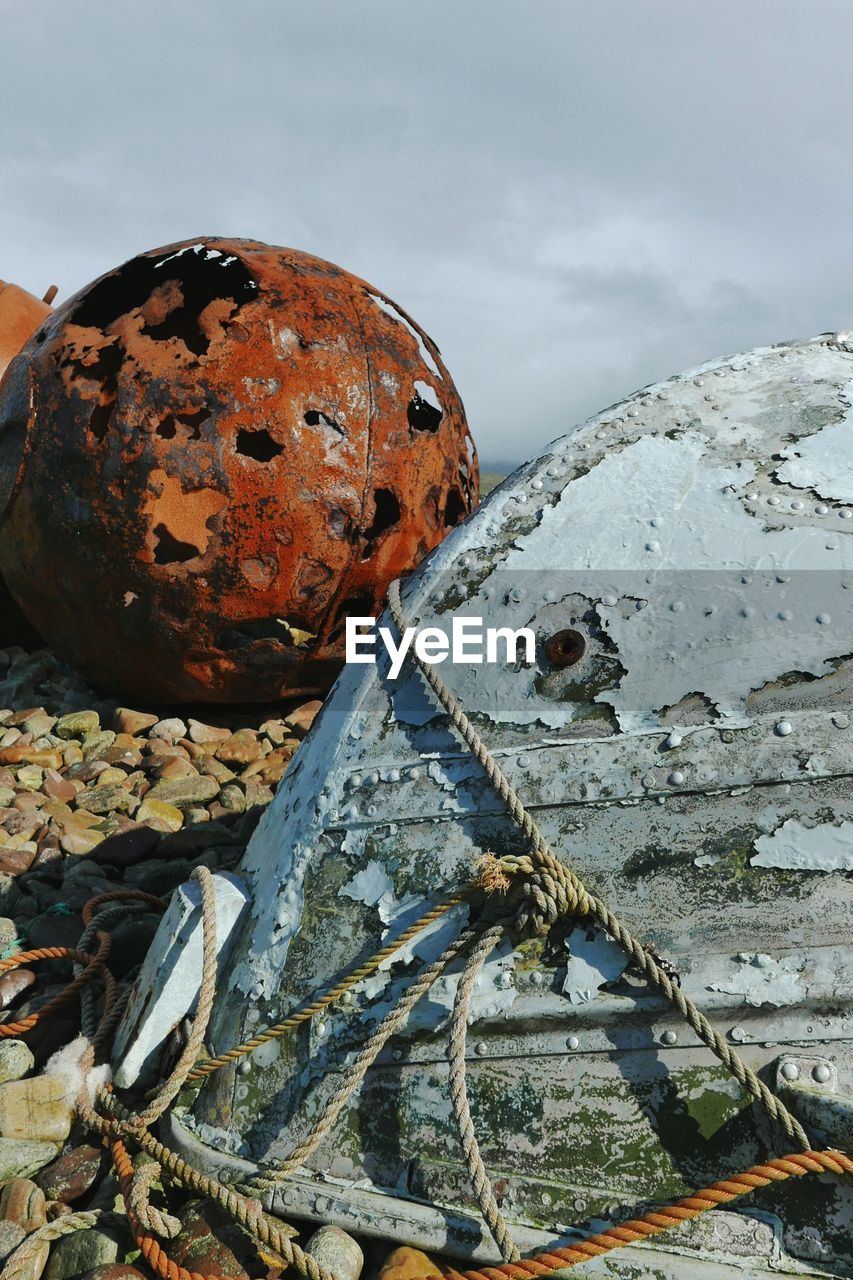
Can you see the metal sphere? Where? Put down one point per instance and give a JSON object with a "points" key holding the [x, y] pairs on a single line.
{"points": [[214, 454]]}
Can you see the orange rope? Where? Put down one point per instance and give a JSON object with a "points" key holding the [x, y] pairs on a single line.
{"points": [[656, 1221], [152, 1251], [94, 967]]}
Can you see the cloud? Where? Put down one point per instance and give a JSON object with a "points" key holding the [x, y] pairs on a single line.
{"points": [[573, 200]]}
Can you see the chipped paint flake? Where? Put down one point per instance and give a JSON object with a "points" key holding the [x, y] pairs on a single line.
{"points": [[594, 960], [369, 885], [795, 847], [823, 462], [762, 979]]}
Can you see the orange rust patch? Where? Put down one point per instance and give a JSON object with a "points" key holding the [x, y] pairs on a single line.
{"points": [[185, 515]]}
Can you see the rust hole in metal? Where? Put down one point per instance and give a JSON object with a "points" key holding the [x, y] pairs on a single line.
{"points": [[455, 509], [170, 550], [422, 415], [250, 632], [167, 428], [258, 445], [360, 605], [313, 418], [387, 513], [565, 648], [198, 275]]}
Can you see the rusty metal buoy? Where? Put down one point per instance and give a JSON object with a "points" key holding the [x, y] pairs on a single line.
{"points": [[214, 454]]}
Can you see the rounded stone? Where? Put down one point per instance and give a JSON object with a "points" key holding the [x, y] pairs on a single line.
{"points": [[337, 1251], [16, 1059]]}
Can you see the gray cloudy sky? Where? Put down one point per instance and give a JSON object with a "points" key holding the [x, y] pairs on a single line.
{"points": [[573, 197]]}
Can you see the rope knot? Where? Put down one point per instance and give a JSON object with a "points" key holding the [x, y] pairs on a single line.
{"points": [[549, 891]]}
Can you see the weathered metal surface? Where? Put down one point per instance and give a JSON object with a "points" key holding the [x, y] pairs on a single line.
{"points": [[694, 766], [20, 315], [213, 454]]}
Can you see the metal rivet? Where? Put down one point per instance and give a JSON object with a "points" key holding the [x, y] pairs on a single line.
{"points": [[480, 1048], [676, 778], [821, 509], [674, 740], [537, 484], [676, 606], [536, 978], [580, 1205], [783, 728], [397, 1055], [737, 1033], [797, 504], [823, 619], [845, 513], [245, 1067], [773, 500], [784, 615], [321, 1028], [669, 1037], [841, 720], [822, 1073], [347, 998], [573, 1042], [653, 546]]}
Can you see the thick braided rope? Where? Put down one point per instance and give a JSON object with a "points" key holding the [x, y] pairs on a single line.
{"points": [[241, 1208], [483, 1190], [352, 979], [18, 1265], [153, 1220], [653, 1223], [171, 1087], [552, 869], [365, 1059]]}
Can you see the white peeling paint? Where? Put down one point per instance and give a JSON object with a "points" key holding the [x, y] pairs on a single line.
{"points": [[826, 847], [593, 961], [369, 885], [824, 462], [762, 979]]}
